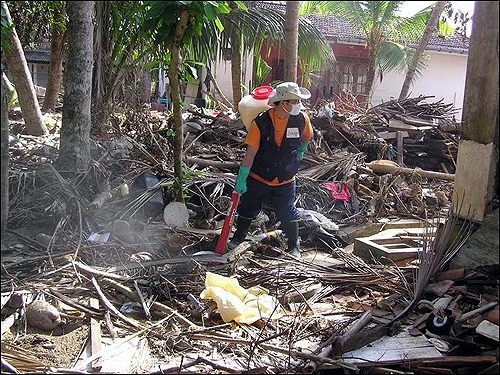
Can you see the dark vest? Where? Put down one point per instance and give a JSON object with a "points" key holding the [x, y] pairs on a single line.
{"points": [[272, 161]]}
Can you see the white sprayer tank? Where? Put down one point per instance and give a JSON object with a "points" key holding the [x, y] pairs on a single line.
{"points": [[251, 105]]}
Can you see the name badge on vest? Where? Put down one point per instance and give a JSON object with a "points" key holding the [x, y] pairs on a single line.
{"points": [[292, 133]]}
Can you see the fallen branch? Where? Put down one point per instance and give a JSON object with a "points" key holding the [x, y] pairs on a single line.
{"points": [[89, 310], [143, 301], [177, 369], [110, 306], [94, 272], [384, 168], [293, 353], [219, 92], [156, 305], [339, 342], [213, 163]]}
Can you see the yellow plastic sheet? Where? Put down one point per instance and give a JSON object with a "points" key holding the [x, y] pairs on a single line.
{"points": [[237, 303]]}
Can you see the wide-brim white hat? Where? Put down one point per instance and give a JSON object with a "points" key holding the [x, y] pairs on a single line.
{"points": [[289, 91]]}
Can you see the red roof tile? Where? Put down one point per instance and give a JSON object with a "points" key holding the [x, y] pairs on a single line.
{"points": [[337, 27]]}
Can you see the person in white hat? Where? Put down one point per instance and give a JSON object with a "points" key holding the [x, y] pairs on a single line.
{"points": [[276, 142]]}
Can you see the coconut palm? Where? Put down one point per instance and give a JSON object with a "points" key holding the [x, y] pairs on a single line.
{"points": [[431, 26], [21, 77], [384, 30], [292, 36], [256, 27]]}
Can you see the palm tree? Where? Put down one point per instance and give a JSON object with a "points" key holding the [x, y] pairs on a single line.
{"points": [[54, 77], [75, 131], [255, 26], [4, 153], [431, 26], [120, 43], [382, 28], [291, 40], [21, 77]]}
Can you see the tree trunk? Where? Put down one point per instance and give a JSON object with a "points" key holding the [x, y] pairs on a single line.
{"points": [[429, 28], [55, 67], [145, 85], [235, 63], [236, 69], [99, 51], [176, 100], [291, 40], [5, 156], [370, 78], [74, 150], [21, 78]]}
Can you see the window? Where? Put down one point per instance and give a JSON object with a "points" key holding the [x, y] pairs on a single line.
{"points": [[348, 76], [361, 79]]}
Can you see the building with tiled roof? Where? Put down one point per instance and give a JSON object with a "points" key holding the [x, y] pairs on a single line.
{"points": [[336, 28], [444, 76]]}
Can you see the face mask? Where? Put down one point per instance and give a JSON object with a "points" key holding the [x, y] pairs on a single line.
{"points": [[295, 109]]}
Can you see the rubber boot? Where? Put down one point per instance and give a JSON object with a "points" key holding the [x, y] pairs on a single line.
{"points": [[242, 226], [291, 230]]}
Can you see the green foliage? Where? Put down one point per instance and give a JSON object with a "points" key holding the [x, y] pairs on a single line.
{"points": [[5, 31], [33, 20], [261, 69], [162, 18], [257, 27], [395, 56], [179, 184], [386, 33]]}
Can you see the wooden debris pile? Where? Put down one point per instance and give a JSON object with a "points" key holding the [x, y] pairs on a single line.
{"points": [[429, 132], [125, 283], [329, 299]]}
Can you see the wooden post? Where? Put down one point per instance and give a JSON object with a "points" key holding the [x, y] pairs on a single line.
{"points": [[400, 148]]}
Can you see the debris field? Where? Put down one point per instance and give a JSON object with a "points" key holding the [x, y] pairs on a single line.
{"points": [[94, 279]]}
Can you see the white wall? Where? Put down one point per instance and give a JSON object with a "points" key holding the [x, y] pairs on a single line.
{"points": [[222, 74], [443, 78]]}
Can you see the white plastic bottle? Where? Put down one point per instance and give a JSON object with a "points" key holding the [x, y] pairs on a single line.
{"points": [[251, 105]]}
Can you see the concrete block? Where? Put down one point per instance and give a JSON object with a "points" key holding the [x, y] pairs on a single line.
{"points": [[395, 244]]}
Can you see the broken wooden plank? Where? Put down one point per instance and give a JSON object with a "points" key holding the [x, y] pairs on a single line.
{"points": [[400, 147], [460, 361], [393, 349], [95, 337], [393, 135], [400, 125], [340, 341], [81, 366], [488, 330]]}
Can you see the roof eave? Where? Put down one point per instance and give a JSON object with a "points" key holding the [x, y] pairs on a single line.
{"points": [[461, 51]]}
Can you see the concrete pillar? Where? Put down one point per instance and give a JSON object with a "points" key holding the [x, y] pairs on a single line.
{"points": [[477, 160]]}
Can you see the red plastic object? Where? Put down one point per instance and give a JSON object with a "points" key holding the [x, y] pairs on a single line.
{"points": [[262, 92], [228, 222]]}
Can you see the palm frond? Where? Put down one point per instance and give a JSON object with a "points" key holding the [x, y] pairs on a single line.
{"points": [[395, 56], [409, 29]]}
